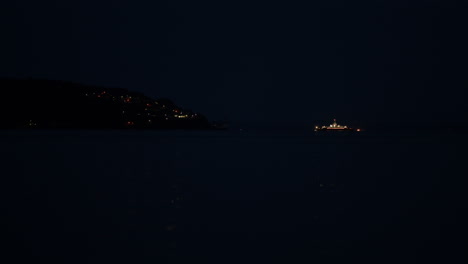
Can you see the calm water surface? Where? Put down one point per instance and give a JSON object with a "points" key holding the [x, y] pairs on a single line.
{"points": [[233, 197]]}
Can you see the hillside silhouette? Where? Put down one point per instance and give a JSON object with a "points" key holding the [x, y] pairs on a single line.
{"points": [[48, 104]]}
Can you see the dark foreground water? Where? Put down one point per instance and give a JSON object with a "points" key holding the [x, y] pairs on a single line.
{"points": [[233, 197]]}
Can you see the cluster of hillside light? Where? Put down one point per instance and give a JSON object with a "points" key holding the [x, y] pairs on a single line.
{"points": [[152, 110]]}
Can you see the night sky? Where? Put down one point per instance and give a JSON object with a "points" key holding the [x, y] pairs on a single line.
{"points": [[263, 62]]}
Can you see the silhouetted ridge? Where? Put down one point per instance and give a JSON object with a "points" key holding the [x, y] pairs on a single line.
{"points": [[59, 104]]}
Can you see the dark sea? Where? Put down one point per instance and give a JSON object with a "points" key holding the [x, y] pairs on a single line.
{"points": [[233, 197]]}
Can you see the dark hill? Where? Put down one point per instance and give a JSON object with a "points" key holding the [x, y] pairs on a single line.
{"points": [[58, 104]]}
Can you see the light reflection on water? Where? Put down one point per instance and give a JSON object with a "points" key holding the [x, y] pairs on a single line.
{"points": [[203, 195]]}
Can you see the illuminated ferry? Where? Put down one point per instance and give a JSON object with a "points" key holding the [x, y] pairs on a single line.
{"points": [[335, 127]]}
